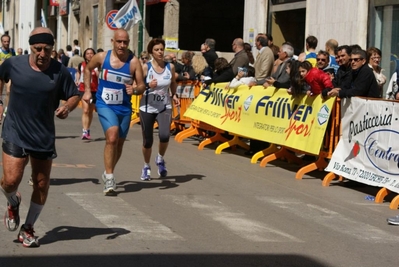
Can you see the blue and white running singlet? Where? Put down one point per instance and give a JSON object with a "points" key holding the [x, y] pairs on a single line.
{"points": [[157, 100], [111, 91]]}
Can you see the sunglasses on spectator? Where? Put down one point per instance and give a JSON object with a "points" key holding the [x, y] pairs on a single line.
{"points": [[321, 59], [355, 59], [144, 58]]}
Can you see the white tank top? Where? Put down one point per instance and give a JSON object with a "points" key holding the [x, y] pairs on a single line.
{"points": [[157, 100]]}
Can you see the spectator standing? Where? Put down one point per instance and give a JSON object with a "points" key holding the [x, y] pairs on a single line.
{"points": [[63, 57], [243, 77], [118, 69], [316, 79], [178, 65], [203, 48], [69, 52], [240, 58], [144, 57], [272, 46], [54, 54], [75, 60], [363, 80], [187, 71], [331, 47], [281, 77], [248, 49], [223, 72], [343, 77], [374, 59], [47, 82], [310, 51], [200, 67], [393, 88], [323, 60], [20, 52], [264, 60], [210, 54], [76, 46]]}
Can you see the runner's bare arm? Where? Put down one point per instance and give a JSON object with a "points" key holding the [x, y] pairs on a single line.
{"points": [[95, 62], [136, 72], [63, 111]]}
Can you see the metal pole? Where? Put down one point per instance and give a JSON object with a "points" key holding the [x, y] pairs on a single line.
{"points": [[45, 8], [141, 27]]}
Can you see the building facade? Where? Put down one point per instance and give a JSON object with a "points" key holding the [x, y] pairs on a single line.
{"points": [[185, 24]]}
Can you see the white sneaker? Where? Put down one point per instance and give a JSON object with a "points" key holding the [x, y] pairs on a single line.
{"points": [[109, 187]]}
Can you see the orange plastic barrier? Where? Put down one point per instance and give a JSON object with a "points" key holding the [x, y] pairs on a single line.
{"points": [[331, 139], [187, 92]]}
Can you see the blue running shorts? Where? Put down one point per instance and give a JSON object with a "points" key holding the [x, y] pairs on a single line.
{"points": [[108, 118]]}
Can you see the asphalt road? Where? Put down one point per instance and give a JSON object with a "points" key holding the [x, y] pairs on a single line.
{"points": [[211, 210]]}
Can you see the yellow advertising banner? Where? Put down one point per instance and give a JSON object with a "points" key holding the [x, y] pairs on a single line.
{"points": [[270, 115]]}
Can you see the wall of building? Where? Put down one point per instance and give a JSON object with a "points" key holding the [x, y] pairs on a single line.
{"points": [[342, 20], [26, 23]]}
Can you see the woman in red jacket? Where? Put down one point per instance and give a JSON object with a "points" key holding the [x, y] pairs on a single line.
{"points": [[316, 79]]}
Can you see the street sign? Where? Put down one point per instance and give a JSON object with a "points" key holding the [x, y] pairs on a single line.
{"points": [[109, 19]]}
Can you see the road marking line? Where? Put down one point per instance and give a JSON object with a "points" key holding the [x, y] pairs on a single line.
{"points": [[251, 230], [332, 220], [114, 212]]}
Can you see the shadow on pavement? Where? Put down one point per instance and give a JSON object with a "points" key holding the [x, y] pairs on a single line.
{"points": [[63, 233], [161, 183], [67, 136], [65, 181], [165, 260]]}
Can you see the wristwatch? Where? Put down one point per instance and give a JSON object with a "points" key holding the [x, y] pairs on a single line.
{"points": [[135, 92]]}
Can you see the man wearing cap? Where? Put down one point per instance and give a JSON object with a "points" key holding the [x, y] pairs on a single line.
{"points": [[38, 85]]}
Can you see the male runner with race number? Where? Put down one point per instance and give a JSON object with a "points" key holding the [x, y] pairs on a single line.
{"points": [[118, 70]]}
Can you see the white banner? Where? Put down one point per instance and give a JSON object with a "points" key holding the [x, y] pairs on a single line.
{"points": [[128, 15], [368, 150]]}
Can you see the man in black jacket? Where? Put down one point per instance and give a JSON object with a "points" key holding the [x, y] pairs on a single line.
{"points": [[343, 77], [210, 54], [363, 82]]}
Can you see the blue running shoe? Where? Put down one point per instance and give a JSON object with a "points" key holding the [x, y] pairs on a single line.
{"points": [[146, 174], [162, 171]]}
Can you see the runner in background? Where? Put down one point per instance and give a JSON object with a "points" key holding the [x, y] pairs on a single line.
{"points": [[5, 53], [87, 108]]}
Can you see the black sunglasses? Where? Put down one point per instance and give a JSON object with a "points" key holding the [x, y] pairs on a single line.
{"points": [[355, 59]]}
